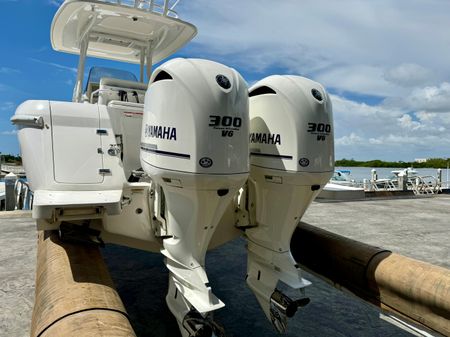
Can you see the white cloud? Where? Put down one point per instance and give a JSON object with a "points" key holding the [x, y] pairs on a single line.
{"points": [[7, 70], [396, 51], [351, 139], [375, 141], [408, 75], [56, 3], [8, 133], [353, 45], [397, 141], [391, 50], [374, 131], [360, 118], [431, 99], [41, 49], [7, 106], [406, 122], [5, 87], [361, 79], [55, 65]]}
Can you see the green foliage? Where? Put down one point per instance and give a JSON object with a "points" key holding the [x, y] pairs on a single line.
{"points": [[430, 163], [11, 159]]}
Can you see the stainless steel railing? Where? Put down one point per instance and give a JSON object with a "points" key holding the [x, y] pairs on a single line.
{"points": [[162, 7], [23, 195]]}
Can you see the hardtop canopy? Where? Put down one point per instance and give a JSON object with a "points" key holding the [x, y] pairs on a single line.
{"points": [[118, 30]]}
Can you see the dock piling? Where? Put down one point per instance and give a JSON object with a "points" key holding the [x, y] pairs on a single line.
{"points": [[415, 291], [10, 184], [75, 295]]}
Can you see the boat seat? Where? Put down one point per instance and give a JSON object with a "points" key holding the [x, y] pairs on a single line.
{"points": [[125, 106], [92, 87], [126, 121], [112, 89]]}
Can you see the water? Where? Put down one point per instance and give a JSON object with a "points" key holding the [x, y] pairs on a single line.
{"points": [[361, 173]]}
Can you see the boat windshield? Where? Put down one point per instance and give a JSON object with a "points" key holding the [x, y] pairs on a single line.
{"points": [[341, 176], [97, 73]]}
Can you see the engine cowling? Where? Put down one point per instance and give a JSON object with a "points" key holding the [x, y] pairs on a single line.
{"points": [[195, 120], [194, 146], [292, 158]]}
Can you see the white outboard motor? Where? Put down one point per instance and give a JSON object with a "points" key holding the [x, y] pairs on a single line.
{"points": [[292, 158], [194, 146]]}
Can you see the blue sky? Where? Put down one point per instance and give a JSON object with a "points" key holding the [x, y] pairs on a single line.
{"points": [[386, 63]]}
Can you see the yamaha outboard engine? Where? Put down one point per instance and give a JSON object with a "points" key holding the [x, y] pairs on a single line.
{"points": [[292, 158], [194, 146]]}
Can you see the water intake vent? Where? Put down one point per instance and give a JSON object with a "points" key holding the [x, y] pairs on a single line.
{"points": [[264, 90], [162, 75]]}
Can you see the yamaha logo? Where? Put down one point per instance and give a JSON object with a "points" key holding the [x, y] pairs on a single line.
{"points": [[223, 81], [205, 162]]}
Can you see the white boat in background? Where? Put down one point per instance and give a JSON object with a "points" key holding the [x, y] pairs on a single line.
{"points": [[410, 172], [333, 191], [407, 179], [343, 177]]}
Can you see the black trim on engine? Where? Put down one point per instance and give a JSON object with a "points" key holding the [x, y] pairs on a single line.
{"points": [[166, 153], [270, 155], [162, 75], [264, 90]]}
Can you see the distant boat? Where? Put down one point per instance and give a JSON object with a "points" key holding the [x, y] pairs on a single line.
{"points": [[334, 191], [342, 177], [412, 173]]}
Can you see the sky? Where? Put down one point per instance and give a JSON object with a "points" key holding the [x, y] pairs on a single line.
{"points": [[386, 63]]}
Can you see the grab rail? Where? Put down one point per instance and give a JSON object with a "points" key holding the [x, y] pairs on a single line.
{"points": [[426, 185], [383, 185], [23, 195], [28, 121]]}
